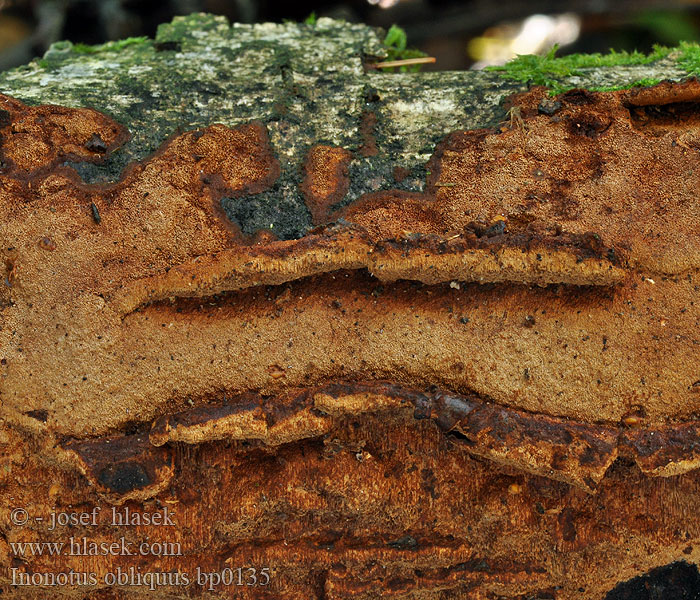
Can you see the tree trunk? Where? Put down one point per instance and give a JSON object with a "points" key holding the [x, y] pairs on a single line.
{"points": [[275, 324]]}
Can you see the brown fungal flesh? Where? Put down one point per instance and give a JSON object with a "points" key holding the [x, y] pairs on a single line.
{"points": [[507, 354]]}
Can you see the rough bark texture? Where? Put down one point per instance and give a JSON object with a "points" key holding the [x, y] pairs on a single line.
{"points": [[328, 333]]}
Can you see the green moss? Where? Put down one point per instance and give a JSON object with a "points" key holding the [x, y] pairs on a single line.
{"points": [[689, 58], [644, 82], [552, 72], [395, 44], [109, 46], [186, 28], [84, 49], [119, 44], [549, 71]]}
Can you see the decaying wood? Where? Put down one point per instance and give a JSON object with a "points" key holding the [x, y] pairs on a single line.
{"points": [[481, 386]]}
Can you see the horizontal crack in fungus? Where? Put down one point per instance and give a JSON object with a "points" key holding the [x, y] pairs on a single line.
{"points": [[519, 258], [576, 453]]}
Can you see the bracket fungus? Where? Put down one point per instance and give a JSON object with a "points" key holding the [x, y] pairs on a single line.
{"points": [[486, 387]]}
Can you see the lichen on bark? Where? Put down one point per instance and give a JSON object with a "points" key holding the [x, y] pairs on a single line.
{"points": [[309, 84]]}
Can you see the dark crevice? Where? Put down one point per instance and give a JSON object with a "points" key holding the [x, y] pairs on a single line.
{"points": [[677, 581], [658, 119]]}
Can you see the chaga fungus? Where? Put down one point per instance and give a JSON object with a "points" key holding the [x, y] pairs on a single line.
{"points": [[422, 388]]}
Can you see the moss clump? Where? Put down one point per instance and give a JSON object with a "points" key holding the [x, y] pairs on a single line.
{"points": [[109, 46], [644, 82], [549, 71], [689, 58]]}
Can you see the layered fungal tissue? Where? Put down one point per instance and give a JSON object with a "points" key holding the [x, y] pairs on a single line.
{"points": [[485, 389]]}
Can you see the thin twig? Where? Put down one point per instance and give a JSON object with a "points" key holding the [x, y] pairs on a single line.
{"points": [[405, 62]]}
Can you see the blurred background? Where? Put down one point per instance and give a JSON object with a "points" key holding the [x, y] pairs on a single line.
{"points": [[460, 35]]}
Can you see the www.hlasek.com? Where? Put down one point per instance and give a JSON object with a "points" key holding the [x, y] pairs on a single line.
{"points": [[83, 546]]}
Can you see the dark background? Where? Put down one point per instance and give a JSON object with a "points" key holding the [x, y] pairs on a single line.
{"points": [[453, 32]]}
